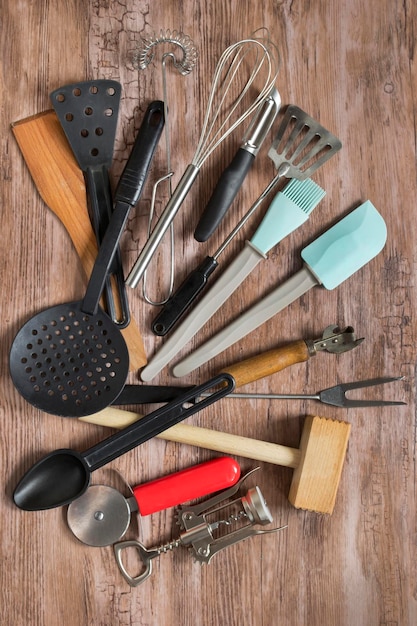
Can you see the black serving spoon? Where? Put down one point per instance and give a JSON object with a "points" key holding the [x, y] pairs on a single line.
{"points": [[72, 360], [64, 475]]}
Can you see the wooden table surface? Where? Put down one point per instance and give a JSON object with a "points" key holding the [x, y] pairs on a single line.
{"points": [[352, 66]]}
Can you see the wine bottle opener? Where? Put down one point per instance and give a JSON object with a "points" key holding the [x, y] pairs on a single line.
{"points": [[201, 526]]}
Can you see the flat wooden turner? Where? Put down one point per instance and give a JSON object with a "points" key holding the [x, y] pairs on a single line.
{"points": [[60, 183]]}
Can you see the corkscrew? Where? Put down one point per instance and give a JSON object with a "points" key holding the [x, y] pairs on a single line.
{"points": [[207, 528]]}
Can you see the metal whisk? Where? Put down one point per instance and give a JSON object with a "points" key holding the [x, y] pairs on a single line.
{"points": [[183, 60], [250, 64]]}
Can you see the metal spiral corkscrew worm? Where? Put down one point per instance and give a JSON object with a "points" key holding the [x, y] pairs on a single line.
{"points": [[199, 534]]}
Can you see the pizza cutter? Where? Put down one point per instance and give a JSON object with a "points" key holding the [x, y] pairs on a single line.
{"points": [[101, 516]]}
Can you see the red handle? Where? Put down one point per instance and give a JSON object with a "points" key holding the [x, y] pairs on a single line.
{"points": [[194, 482]]}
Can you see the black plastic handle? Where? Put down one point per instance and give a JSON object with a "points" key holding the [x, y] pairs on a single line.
{"points": [[156, 422], [149, 394], [136, 169], [100, 204], [127, 194], [183, 297], [224, 193]]}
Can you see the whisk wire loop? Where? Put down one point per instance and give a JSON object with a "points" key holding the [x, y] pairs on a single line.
{"points": [[225, 74], [184, 65]]}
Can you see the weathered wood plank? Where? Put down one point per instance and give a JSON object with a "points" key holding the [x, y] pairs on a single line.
{"points": [[351, 65]]}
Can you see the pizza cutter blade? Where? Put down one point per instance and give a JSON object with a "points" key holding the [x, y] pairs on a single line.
{"points": [[101, 516]]}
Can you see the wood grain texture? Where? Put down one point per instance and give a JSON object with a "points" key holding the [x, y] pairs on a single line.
{"points": [[316, 479], [268, 362], [352, 66]]}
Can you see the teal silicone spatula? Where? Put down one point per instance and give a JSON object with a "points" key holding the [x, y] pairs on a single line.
{"points": [[290, 208], [328, 261]]}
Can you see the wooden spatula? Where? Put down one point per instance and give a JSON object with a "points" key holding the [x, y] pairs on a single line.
{"points": [[60, 183]]}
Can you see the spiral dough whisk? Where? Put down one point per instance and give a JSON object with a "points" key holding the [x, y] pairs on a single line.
{"points": [[178, 50], [250, 65]]}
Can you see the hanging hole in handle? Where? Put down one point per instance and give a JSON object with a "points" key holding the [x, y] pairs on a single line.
{"points": [[159, 329], [156, 118], [171, 233], [132, 556]]}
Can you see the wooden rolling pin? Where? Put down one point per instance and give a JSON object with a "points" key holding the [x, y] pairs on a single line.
{"points": [[60, 183]]}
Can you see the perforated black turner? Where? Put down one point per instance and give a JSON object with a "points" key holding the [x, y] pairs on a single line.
{"points": [[88, 113]]}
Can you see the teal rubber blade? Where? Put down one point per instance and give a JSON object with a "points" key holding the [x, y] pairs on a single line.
{"points": [[347, 246]]}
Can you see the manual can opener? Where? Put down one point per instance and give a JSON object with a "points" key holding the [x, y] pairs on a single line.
{"points": [[333, 340]]}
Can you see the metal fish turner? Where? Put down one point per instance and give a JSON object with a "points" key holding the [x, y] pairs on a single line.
{"points": [[301, 145]]}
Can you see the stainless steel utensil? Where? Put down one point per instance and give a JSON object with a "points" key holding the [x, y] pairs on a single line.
{"points": [[173, 42], [101, 516], [333, 340], [235, 173], [317, 146], [336, 396], [201, 528], [231, 76]]}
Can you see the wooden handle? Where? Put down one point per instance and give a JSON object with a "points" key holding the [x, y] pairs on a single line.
{"points": [[205, 438], [60, 183], [268, 362]]}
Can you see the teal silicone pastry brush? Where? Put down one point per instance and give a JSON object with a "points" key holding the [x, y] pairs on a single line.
{"points": [[290, 208], [328, 261]]}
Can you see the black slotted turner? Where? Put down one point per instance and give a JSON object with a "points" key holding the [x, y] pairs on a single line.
{"points": [[88, 113]]}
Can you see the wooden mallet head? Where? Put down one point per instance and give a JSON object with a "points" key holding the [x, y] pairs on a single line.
{"points": [[322, 451]]}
